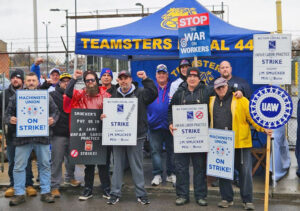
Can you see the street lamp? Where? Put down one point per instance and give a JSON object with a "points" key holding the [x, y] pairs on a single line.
{"points": [[141, 5], [67, 32], [46, 23]]}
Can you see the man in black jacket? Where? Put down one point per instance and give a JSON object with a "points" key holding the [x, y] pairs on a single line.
{"points": [[25, 145], [134, 154], [194, 92], [60, 141], [16, 82]]}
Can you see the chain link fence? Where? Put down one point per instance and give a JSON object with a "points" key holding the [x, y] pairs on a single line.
{"points": [[23, 60], [58, 59]]}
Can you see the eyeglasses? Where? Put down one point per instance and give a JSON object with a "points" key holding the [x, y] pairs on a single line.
{"points": [[90, 80], [64, 81]]}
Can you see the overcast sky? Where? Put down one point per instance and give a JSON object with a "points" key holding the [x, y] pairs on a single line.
{"points": [[16, 18]]}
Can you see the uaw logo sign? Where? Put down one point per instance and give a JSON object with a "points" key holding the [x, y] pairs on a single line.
{"points": [[189, 115], [271, 107], [170, 19]]}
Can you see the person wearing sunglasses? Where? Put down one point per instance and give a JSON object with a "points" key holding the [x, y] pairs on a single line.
{"points": [[90, 97]]}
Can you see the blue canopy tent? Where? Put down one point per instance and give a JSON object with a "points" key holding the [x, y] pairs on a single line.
{"points": [[153, 40]]}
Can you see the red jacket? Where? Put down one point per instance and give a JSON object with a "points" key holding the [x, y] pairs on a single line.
{"points": [[81, 100]]}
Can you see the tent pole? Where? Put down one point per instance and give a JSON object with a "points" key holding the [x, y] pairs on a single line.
{"points": [[129, 63]]}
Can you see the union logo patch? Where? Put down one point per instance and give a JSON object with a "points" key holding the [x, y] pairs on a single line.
{"points": [[170, 19]]}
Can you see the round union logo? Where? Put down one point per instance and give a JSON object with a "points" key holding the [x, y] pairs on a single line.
{"points": [[271, 107]]}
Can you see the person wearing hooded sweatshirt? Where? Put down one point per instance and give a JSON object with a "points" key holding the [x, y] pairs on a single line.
{"points": [[159, 133], [184, 64], [145, 96], [194, 92]]}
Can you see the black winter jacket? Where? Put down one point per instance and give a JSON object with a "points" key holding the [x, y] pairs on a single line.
{"points": [[12, 110], [61, 128], [9, 92], [145, 96]]}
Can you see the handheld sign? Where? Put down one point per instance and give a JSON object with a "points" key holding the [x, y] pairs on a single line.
{"points": [[32, 113], [193, 35], [191, 122], [220, 158], [85, 143], [271, 107], [272, 59], [120, 124]]}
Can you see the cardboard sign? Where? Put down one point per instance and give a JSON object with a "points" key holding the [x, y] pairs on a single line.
{"points": [[191, 122], [32, 113], [120, 124], [193, 35], [220, 158], [85, 137], [272, 59]]}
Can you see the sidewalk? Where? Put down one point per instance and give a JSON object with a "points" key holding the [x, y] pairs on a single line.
{"points": [[288, 187]]}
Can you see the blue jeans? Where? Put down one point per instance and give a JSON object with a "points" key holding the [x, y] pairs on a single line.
{"points": [[10, 151], [182, 163], [156, 139], [23, 152], [243, 163]]}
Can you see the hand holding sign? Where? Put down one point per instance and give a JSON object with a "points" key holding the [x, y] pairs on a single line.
{"points": [[141, 74], [50, 121], [171, 128], [13, 120]]}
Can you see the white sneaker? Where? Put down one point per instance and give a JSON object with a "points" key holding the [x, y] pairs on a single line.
{"points": [[156, 180], [171, 178]]}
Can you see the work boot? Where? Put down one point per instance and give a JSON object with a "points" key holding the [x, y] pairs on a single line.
{"points": [[10, 192], [30, 191], [181, 201], [75, 183], [16, 200], [47, 197], [55, 193], [225, 204]]}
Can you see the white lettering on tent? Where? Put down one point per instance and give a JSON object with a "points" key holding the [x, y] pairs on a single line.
{"points": [[194, 36], [192, 21], [269, 106]]}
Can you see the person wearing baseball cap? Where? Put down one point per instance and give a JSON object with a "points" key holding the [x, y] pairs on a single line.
{"points": [[134, 154], [184, 64], [53, 80], [60, 141], [232, 113], [157, 113], [194, 93]]}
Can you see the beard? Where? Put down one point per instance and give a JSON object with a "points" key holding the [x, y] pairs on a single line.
{"points": [[92, 90]]}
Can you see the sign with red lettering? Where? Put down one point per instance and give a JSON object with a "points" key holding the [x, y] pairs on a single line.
{"points": [[194, 35]]}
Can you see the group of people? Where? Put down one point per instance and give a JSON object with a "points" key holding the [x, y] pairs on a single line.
{"points": [[228, 107]]}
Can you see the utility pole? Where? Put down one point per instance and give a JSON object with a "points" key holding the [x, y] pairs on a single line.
{"points": [[35, 27], [46, 23]]}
